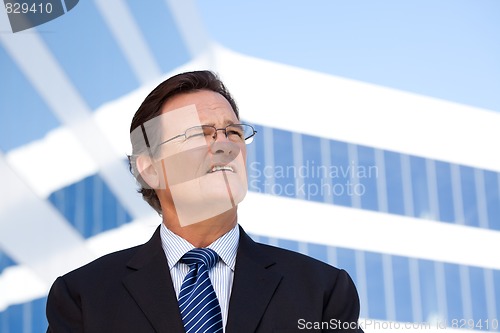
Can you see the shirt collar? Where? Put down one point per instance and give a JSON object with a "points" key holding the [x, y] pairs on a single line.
{"points": [[175, 246]]}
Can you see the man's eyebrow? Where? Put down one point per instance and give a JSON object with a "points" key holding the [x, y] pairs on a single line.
{"points": [[226, 123]]}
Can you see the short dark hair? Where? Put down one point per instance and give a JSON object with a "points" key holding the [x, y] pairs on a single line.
{"points": [[151, 107]]}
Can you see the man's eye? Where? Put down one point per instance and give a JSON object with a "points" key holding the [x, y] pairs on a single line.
{"points": [[235, 133], [208, 132]]}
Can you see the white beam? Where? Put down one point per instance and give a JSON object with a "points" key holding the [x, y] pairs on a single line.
{"points": [[33, 233], [129, 37], [332, 225]]}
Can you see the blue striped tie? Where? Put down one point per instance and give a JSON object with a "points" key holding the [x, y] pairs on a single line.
{"points": [[200, 310]]}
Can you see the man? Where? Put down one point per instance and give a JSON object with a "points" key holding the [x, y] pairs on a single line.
{"points": [[200, 272]]}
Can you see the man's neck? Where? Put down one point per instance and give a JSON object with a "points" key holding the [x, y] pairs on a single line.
{"points": [[203, 233]]}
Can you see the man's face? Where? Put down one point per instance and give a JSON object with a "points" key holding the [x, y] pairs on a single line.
{"points": [[201, 177]]}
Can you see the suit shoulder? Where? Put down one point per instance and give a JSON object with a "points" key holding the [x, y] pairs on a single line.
{"points": [[107, 263], [289, 257], [299, 270], [116, 263]]}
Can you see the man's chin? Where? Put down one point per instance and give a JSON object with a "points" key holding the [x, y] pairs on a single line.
{"points": [[232, 193], [222, 185], [206, 197], [194, 209]]}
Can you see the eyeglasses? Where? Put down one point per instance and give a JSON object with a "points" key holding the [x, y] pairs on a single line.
{"points": [[239, 133]]}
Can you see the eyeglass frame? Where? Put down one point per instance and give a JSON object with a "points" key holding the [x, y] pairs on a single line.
{"points": [[215, 133]]}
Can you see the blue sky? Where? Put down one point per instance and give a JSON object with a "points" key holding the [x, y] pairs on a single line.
{"points": [[449, 49]]}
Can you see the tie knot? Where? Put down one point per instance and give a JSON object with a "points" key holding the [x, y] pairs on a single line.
{"points": [[205, 256]]}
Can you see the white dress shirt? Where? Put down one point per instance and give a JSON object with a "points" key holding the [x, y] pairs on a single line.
{"points": [[221, 275]]}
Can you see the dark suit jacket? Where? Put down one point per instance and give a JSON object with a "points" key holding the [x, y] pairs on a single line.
{"points": [[274, 290]]}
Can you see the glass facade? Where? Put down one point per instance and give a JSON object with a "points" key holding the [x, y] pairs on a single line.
{"points": [[90, 206], [349, 177], [5, 261]]}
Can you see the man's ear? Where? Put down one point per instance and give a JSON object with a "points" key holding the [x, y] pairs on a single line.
{"points": [[148, 171]]}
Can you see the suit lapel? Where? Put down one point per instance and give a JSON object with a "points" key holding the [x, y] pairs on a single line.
{"points": [[151, 287], [253, 287]]}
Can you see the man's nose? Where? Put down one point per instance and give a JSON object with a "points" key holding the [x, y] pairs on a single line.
{"points": [[222, 145]]}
